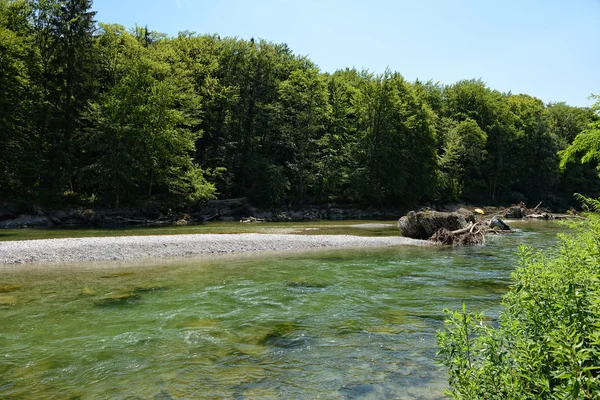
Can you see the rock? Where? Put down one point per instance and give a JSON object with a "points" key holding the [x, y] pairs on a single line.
{"points": [[423, 224], [409, 226], [86, 291], [38, 211], [26, 221], [10, 288], [284, 335], [163, 395], [469, 216], [8, 300], [148, 288], [515, 212], [6, 212], [116, 299], [358, 391], [498, 223]]}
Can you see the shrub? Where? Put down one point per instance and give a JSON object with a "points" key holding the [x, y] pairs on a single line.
{"points": [[546, 344]]}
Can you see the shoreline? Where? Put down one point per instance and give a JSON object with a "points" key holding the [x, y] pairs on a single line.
{"points": [[131, 248]]}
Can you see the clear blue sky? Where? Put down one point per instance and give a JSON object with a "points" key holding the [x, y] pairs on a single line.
{"points": [[546, 48]]}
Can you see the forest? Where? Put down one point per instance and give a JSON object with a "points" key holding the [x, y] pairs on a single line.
{"points": [[98, 114]]}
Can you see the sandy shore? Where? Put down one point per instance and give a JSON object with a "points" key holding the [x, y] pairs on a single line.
{"points": [[151, 247]]}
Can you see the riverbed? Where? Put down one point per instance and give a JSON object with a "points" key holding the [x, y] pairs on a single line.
{"points": [[330, 324]]}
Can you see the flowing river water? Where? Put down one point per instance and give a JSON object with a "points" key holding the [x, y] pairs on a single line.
{"points": [[329, 325]]}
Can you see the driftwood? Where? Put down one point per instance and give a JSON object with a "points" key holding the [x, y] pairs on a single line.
{"points": [[469, 235], [536, 208], [252, 220], [160, 220], [464, 230], [546, 216], [538, 212]]}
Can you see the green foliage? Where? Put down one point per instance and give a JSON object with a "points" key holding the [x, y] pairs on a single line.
{"points": [[535, 148], [14, 97], [586, 145], [305, 109], [395, 151], [141, 141], [464, 153], [547, 342], [135, 115]]}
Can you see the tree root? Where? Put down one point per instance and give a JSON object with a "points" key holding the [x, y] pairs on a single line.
{"points": [[471, 235]]}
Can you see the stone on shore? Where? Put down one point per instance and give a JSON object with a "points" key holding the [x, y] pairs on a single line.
{"points": [[498, 223], [515, 212], [423, 224]]}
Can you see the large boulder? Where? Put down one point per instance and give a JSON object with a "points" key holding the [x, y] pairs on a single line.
{"points": [[498, 223], [515, 212], [469, 215], [423, 224]]}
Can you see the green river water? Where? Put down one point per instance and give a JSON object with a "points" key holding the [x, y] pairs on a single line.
{"points": [[328, 325]]}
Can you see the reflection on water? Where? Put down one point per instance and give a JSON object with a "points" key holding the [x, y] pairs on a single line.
{"points": [[343, 324]]}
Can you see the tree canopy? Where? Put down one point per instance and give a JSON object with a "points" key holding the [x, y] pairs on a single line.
{"points": [[94, 112]]}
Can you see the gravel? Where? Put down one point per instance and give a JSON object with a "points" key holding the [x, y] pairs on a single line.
{"points": [[150, 247]]}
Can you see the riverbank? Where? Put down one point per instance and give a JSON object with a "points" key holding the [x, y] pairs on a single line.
{"points": [[231, 210], [166, 246]]}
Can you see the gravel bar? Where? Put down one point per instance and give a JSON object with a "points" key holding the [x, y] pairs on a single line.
{"points": [[164, 246]]}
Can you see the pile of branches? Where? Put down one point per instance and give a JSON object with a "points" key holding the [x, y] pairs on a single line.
{"points": [[471, 235]]}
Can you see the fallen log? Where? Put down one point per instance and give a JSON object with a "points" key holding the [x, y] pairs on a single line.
{"points": [[546, 216], [464, 230], [160, 220], [251, 220]]}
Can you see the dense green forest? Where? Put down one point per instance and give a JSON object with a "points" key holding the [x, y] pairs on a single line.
{"points": [[96, 113]]}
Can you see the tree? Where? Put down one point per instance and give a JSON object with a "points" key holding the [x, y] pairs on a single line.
{"points": [[17, 154], [586, 145], [305, 109], [83, 107], [396, 151], [334, 162], [140, 140], [62, 34], [464, 154], [534, 162]]}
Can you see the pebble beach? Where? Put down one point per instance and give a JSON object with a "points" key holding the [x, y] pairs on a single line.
{"points": [[123, 248]]}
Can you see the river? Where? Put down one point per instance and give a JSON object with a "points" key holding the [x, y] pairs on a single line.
{"points": [[328, 325]]}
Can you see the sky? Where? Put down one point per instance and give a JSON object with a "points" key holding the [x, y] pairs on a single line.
{"points": [[549, 49]]}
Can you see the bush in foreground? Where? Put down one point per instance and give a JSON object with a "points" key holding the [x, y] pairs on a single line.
{"points": [[547, 341]]}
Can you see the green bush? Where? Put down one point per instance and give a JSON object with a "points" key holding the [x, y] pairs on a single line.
{"points": [[546, 344]]}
